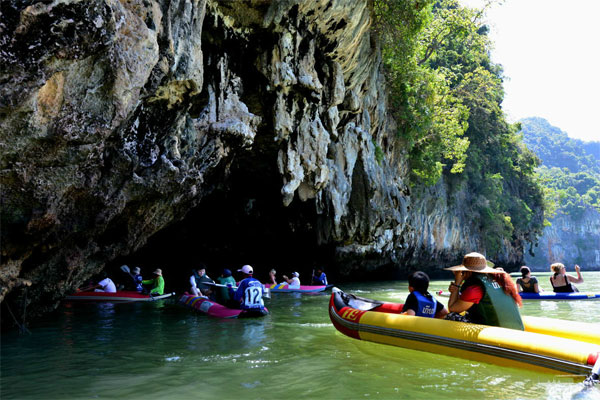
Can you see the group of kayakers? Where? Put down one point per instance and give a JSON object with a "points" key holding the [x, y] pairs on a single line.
{"points": [[153, 287], [479, 293], [482, 294], [318, 278], [560, 281]]}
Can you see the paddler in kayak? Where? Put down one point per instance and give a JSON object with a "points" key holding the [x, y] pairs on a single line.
{"points": [[158, 284], [561, 282], [222, 293], [294, 281], [319, 278], [527, 283], [488, 295], [137, 279], [419, 302], [199, 280], [104, 285], [249, 294]]}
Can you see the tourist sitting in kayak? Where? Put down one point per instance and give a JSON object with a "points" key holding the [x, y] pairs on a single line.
{"points": [[294, 282], [272, 277], [158, 284], [105, 285], [222, 294], [137, 279], [419, 302], [199, 280], [488, 295], [527, 283], [319, 278], [249, 294], [561, 282]]}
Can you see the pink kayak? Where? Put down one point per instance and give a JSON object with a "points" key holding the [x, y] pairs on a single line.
{"points": [[214, 309], [123, 296], [285, 288]]}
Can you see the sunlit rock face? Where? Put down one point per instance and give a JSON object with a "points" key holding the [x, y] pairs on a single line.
{"points": [[569, 240], [248, 118]]}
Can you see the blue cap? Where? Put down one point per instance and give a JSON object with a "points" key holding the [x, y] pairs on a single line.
{"points": [[226, 272]]}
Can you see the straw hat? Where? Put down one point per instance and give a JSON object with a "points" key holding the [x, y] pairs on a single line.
{"points": [[474, 262]]}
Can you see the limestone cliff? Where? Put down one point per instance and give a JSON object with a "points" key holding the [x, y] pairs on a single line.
{"points": [[569, 241], [120, 118]]}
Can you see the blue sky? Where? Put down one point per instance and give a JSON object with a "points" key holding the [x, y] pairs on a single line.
{"points": [[550, 51]]}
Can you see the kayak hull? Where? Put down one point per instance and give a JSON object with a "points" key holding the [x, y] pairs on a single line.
{"points": [[214, 309], [560, 296], [546, 295], [285, 288], [117, 297], [379, 322]]}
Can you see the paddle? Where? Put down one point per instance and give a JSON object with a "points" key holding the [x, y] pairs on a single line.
{"points": [[266, 291], [125, 268], [218, 285]]}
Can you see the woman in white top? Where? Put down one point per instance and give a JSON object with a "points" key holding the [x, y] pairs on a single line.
{"points": [[294, 282]]}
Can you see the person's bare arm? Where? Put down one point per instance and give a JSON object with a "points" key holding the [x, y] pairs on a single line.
{"points": [[579, 278], [442, 313], [454, 303]]}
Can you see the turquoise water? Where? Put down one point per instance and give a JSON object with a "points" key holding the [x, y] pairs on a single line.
{"points": [[163, 351]]}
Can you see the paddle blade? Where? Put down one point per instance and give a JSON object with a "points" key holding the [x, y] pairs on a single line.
{"points": [[125, 268]]}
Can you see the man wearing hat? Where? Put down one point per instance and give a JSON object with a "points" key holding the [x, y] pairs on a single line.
{"points": [[487, 294], [249, 295], [158, 283], [293, 283]]}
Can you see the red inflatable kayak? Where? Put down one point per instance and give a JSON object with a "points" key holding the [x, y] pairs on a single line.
{"points": [[124, 296]]}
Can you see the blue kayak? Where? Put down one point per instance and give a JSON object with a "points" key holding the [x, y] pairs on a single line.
{"points": [[560, 296]]}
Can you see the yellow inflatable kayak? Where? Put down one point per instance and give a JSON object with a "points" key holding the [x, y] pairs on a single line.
{"points": [[546, 345]]}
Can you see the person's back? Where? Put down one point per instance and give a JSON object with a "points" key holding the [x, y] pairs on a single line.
{"points": [[294, 282], [250, 291], [527, 285], [320, 278], [137, 279], [488, 295], [420, 302], [107, 285], [561, 282], [222, 293], [158, 283], [495, 308], [250, 294]]}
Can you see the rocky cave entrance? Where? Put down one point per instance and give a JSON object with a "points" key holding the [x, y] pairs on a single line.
{"points": [[243, 221]]}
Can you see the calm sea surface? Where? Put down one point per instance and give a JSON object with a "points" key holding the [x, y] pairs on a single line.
{"points": [[163, 351]]}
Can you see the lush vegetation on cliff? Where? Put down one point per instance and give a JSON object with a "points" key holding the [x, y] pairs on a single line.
{"points": [[570, 168], [445, 93]]}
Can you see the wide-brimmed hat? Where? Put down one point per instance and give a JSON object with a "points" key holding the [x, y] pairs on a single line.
{"points": [[474, 262], [157, 271]]}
